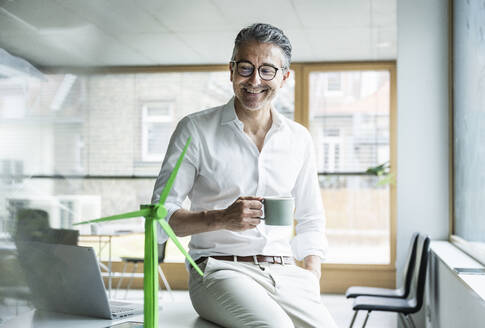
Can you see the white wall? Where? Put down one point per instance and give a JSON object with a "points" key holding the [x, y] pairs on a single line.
{"points": [[423, 145]]}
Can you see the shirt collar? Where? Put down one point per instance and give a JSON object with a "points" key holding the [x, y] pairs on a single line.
{"points": [[229, 115], [278, 121]]}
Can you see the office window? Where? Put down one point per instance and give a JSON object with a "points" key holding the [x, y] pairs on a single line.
{"points": [[157, 119], [351, 133], [12, 171], [67, 214], [334, 82], [468, 128]]}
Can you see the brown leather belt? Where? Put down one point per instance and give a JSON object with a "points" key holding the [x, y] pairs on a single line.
{"points": [[255, 259]]}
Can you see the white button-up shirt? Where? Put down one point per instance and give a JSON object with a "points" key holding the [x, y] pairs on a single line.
{"points": [[223, 163]]}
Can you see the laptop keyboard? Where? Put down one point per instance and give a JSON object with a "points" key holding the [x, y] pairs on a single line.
{"points": [[121, 310]]}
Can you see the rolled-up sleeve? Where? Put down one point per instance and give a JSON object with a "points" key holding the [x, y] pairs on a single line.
{"points": [[309, 236], [187, 172]]}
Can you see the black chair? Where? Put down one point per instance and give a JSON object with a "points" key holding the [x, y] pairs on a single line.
{"points": [[135, 261], [403, 306], [403, 291], [33, 225], [62, 236]]}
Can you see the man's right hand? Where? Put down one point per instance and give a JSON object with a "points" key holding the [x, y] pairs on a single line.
{"points": [[243, 214]]}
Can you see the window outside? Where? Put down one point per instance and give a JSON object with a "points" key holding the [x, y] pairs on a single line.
{"points": [[349, 122]]}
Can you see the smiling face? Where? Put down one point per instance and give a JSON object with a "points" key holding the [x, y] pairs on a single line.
{"points": [[253, 93]]}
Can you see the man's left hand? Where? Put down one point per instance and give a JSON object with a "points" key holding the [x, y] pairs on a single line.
{"points": [[312, 264]]}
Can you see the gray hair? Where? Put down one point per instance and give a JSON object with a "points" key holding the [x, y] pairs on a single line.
{"points": [[265, 33]]}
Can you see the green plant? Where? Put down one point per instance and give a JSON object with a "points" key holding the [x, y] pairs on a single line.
{"points": [[383, 171]]}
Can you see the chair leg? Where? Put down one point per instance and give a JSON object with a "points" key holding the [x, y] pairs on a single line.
{"points": [[120, 280], [406, 320], [410, 319], [135, 266], [366, 318], [165, 282], [353, 318]]}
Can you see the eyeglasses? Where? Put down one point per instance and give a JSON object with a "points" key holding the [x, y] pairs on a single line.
{"points": [[246, 69]]}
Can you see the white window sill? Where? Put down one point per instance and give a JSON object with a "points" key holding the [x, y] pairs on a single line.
{"points": [[453, 258]]}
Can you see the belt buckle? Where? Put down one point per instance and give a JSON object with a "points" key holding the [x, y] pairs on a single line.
{"points": [[278, 259], [255, 259]]}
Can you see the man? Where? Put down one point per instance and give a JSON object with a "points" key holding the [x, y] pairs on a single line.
{"points": [[240, 153]]}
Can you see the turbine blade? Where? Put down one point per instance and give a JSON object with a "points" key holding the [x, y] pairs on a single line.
{"points": [[171, 179], [171, 234], [143, 212]]}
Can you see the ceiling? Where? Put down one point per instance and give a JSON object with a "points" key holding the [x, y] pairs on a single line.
{"points": [[185, 32]]}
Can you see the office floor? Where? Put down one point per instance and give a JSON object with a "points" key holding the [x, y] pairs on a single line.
{"points": [[179, 312]]}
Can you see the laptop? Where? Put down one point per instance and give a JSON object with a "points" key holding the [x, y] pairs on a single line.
{"points": [[67, 279]]}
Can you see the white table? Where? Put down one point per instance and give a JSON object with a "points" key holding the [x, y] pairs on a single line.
{"points": [[173, 315]]}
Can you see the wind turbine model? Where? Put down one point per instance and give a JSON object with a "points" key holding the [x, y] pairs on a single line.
{"points": [[153, 214]]}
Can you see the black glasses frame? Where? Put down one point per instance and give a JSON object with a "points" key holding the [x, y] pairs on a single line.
{"points": [[259, 69]]}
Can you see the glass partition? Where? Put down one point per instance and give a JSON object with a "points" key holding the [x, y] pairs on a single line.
{"points": [[83, 146]]}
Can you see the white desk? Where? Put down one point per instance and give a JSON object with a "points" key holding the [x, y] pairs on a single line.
{"points": [[173, 315]]}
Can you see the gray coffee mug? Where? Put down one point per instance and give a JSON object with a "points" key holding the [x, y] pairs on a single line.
{"points": [[278, 211]]}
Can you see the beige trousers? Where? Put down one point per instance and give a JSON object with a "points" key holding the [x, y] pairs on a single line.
{"points": [[244, 294]]}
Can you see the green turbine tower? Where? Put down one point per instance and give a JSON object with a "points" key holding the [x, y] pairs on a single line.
{"points": [[153, 214]]}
